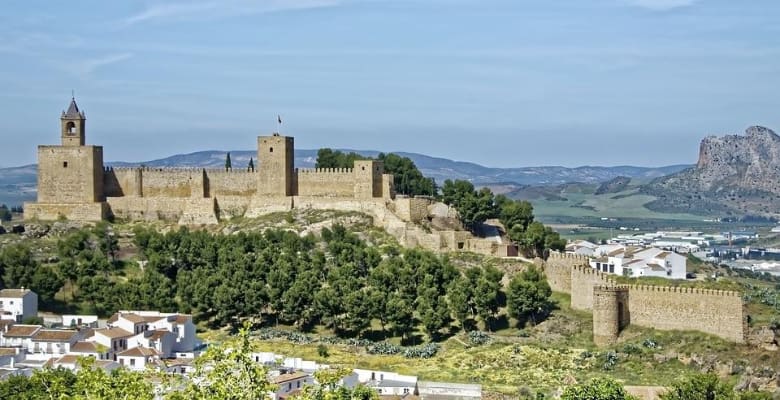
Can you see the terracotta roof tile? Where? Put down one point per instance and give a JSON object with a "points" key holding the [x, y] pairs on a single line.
{"points": [[289, 377], [14, 293], [54, 335], [113, 333], [84, 347], [139, 352], [21, 330]]}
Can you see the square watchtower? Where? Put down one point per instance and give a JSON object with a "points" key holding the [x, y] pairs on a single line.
{"points": [[275, 155]]}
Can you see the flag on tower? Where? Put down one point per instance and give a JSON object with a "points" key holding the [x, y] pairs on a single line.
{"points": [[279, 118]]}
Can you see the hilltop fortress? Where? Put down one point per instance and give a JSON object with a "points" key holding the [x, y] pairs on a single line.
{"points": [[74, 184]]}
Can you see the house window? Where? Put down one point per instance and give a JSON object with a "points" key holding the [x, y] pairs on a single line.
{"points": [[299, 384], [611, 268], [64, 164], [132, 362], [289, 386], [121, 361]]}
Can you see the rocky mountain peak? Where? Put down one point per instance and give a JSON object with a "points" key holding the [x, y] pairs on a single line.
{"points": [[734, 173]]}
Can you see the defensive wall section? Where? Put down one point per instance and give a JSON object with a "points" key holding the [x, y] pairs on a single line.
{"points": [[614, 306]]}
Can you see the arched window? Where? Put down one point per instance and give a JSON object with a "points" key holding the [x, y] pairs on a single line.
{"points": [[70, 127], [270, 149]]}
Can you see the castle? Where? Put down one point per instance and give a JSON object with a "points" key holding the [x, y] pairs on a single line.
{"points": [[74, 184], [614, 306]]}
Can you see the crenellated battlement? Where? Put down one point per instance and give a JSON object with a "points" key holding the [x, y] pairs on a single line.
{"points": [[325, 170], [682, 289]]}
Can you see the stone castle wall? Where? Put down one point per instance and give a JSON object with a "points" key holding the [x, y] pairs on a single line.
{"points": [[583, 280], [717, 312], [221, 183], [326, 182]]}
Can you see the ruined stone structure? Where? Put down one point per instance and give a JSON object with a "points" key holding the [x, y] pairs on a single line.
{"points": [[614, 306], [74, 184]]}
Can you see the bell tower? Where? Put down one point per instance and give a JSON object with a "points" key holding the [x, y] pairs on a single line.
{"points": [[73, 123]]}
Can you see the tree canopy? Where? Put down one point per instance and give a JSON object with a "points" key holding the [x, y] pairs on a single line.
{"points": [[597, 389], [408, 180]]}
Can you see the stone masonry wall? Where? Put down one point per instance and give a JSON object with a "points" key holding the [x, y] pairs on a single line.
{"points": [[412, 209], [70, 175], [231, 183], [583, 279], [717, 312], [327, 182], [171, 182], [118, 182], [558, 268]]}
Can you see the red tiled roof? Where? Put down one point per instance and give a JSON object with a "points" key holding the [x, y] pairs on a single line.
{"points": [[54, 335], [21, 330]]}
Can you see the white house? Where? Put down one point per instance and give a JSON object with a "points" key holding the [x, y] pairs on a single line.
{"points": [[87, 348], [137, 358], [18, 304], [636, 262], [161, 340], [581, 247], [18, 336], [181, 325], [290, 383], [46, 343], [115, 339], [385, 383]]}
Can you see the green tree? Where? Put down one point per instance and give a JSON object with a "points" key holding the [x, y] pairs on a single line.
{"points": [[474, 207], [327, 158], [46, 282], [407, 178], [226, 372], [460, 297], [5, 213], [536, 239], [17, 266], [528, 295], [487, 295], [514, 213], [700, 387], [228, 163], [597, 389]]}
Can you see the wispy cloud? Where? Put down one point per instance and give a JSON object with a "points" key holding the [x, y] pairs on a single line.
{"points": [[662, 5], [85, 68], [197, 10]]}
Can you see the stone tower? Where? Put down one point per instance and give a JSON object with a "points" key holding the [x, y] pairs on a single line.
{"points": [[368, 178], [73, 123], [276, 159], [610, 313], [70, 175]]}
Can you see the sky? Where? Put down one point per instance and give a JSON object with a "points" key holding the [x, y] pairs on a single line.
{"points": [[503, 83]]}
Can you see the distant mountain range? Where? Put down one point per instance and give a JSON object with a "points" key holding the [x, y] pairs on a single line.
{"points": [[17, 184]]}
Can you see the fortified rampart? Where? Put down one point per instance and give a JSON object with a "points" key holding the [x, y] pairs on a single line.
{"points": [[717, 312], [73, 183]]}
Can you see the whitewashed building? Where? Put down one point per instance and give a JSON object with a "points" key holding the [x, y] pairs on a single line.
{"points": [[18, 304]]}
